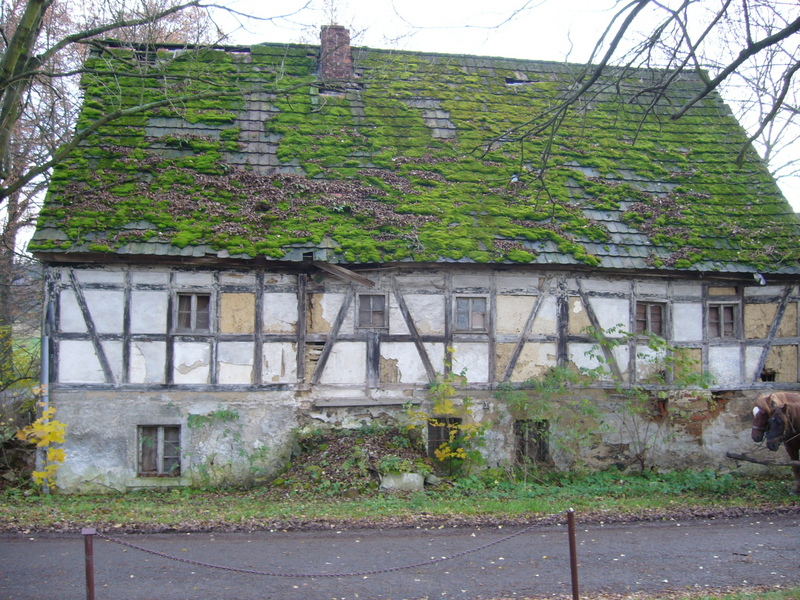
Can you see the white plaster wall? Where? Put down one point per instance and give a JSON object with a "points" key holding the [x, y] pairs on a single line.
{"points": [[148, 362], [611, 312], [279, 362], [113, 352], [427, 282], [397, 323], [409, 363], [472, 357], [234, 278], [427, 312], [606, 285], [723, 364], [194, 278], [331, 303], [470, 280], [546, 322], [436, 354], [579, 357], [648, 288], [70, 316], [648, 362], [347, 363], [235, 362], [106, 309], [110, 276], [752, 358], [687, 290], [763, 290], [78, 363], [150, 277], [149, 311], [509, 283], [192, 362], [280, 312], [687, 322]]}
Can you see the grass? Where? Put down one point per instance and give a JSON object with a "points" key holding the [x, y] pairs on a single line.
{"points": [[491, 497]]}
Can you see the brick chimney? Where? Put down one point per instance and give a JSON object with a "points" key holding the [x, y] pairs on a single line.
{"points": [[335, 59]]}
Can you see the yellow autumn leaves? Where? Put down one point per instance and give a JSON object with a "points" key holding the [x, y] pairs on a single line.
{"points": [[44, 432]]}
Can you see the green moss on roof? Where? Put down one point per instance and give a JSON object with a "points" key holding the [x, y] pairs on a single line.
{"points": [[398, 166]]}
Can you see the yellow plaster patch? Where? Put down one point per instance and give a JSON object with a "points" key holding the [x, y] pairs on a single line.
{"points": [[578, 317], [722, 291], [237, 313], [513, 312], [314, 320], [758, 319], [783, 360], [788, 326]]}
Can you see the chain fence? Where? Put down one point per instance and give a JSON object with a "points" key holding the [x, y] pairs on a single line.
{"points": [[90, 533]]}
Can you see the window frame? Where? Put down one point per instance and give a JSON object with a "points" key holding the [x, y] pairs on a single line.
{"points": [[648, 319], [720, 322], [167, 456], [470, 314], [193, 312], [372, 311]]}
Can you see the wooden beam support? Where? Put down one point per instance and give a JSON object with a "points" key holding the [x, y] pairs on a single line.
{"points": [[343, 273]]}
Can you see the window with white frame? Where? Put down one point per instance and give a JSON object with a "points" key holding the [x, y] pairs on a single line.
{"points": [[159, 451], [650, 317], [722, 320], [194, 313], [372, 310], [471, 314]]}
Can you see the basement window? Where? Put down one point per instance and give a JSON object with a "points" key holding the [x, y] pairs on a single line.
{"points": [[372, 311], [531, 441], [194, 313], [722, 320], [650, 318], [439, 430], [159, 451], [471, 314]]}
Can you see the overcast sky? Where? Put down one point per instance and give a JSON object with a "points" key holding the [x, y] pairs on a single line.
{"points": [[535, 29]]}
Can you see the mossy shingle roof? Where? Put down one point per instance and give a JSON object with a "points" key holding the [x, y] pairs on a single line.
{"points": [[398, 166]]}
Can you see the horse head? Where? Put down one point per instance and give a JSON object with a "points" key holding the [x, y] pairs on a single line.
{"points": [[776, 428], [759, 427], [762, 411]]}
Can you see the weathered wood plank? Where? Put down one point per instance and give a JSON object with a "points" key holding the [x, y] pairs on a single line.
{"points": [[770, 462]]}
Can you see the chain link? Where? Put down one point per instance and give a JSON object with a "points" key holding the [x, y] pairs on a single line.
{"points": [[426, 563]]}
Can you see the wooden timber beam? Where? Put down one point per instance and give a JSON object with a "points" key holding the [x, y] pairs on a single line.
{"points": [[343, 273]]}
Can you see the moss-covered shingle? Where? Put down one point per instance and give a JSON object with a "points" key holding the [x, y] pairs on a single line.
{"points": [[419, 159]]}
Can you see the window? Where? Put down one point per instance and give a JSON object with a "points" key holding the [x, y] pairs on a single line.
{"points": [[372, 311], [470, 314], [530, 439], [159, 451], [649, 318], [722, 320], [439, 429], [194, 313]]}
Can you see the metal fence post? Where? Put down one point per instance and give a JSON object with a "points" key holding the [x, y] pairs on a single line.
{"points": [[88, 539], [573, 553]]}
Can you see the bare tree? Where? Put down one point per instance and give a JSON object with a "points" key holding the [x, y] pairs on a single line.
{"points": [[746, 49]]}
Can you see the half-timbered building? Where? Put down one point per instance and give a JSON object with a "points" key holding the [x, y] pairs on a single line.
{"points": [[298, 236]]}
